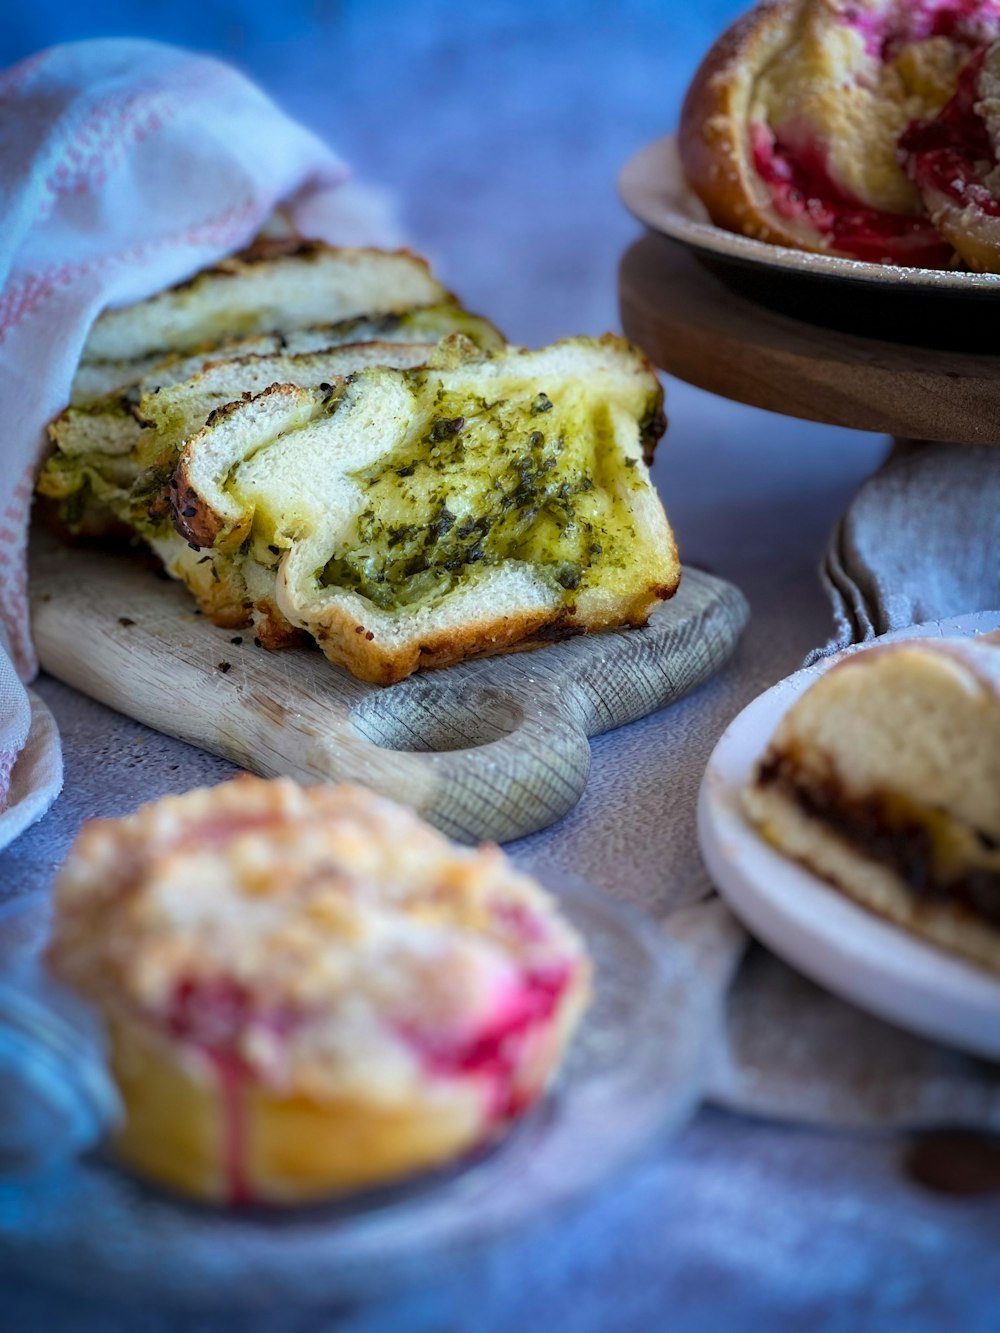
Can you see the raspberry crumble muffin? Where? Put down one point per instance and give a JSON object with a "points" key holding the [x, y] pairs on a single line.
{"points": [[309, 990]]}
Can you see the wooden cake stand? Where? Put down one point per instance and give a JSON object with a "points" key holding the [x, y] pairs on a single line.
{"points": [[696, 327]]}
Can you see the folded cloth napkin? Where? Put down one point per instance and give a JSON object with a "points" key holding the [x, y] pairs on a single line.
{"points": [[920, 541], [127, 166]]}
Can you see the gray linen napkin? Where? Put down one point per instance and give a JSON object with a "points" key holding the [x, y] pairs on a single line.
{"points": [[788, 1050], [920, 541]]}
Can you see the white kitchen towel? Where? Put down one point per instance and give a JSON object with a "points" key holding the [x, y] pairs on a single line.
{"points": [[127, 166]]}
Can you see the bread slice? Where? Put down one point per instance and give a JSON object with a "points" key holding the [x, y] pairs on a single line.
{"points": [[790, 129], [111, 455], [275, 286], [416, 518], [98, 379], [884, 777], [99, 435], [115, 493], [169, 416]]}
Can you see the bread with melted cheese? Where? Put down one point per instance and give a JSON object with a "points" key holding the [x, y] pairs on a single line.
{"points": [[884, 778]]}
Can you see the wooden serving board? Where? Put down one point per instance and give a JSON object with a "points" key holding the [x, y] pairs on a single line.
{"points": [[493, 749]]}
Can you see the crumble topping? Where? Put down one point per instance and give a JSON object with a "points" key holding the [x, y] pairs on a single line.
{"points": [[323, 937]]}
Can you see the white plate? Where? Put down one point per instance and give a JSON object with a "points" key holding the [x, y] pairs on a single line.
{"points": [[653, 189], [831, 939]]}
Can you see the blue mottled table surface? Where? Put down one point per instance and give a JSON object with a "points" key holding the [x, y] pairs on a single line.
{"points": [[501, 127]]}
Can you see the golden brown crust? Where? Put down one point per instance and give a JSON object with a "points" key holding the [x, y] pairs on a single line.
{"points": [[713, 137], [356, 647], [272, 630], [265, 249], [196, 523]]}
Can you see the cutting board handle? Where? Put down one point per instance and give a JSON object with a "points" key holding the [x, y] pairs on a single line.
{"points": [[505, 760]]}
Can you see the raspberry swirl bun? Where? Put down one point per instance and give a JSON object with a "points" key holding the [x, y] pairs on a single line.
{"points": [[308, 990], [953, 161], [800, 127]]}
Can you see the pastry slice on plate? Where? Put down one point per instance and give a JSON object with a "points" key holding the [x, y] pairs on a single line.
{"points": [[884, 778]]}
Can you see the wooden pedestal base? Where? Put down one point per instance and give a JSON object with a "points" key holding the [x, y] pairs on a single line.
{"points": [[696, 328]]}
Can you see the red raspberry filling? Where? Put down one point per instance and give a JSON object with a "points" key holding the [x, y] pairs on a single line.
{"points": [[944, 154], [970, 22], [494, 1053], [802, 190], [949, 155], [212, 1014]]}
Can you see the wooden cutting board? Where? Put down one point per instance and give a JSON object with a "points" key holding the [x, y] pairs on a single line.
{"points": [[492, 749]]}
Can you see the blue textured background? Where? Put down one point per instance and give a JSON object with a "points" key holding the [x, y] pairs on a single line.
{"points": [[499, 125]]}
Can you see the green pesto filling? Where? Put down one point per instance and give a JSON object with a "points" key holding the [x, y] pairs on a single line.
{"points": [[481, 483], [86, 484]]}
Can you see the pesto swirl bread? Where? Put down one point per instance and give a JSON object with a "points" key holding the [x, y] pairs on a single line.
{"points": [[106, 450], [275, 284], [427, 324], [413, 518], [884, 777], [277, 303], [279, 299]]}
